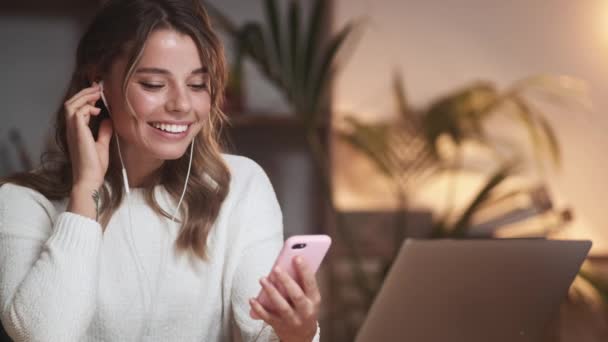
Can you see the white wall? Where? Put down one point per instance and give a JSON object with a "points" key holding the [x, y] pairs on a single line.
{"points": [[441, 45]]}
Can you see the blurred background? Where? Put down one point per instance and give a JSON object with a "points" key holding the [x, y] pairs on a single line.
{"points": [[381, 120]]}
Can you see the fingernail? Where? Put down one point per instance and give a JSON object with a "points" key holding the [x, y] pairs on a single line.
{"points": [[277, 270], [298, 260]]}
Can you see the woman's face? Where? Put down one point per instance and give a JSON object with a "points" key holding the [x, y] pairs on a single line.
{"points": [[168, 92]]}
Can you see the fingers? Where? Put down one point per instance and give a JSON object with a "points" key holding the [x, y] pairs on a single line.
{"points": [[80, 123], [259, 312], [79, 101], [290, 310], [86, 91], [302, 304], [86, 111], [308, 281], [105, 134], [279, 303], [83, 100]]}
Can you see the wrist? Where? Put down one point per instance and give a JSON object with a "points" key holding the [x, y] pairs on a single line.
{"points": [[298, 339], [84, 200], [86, 187], [307, 338]]}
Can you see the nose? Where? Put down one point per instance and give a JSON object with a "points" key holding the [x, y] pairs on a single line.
{"points": [[179, 101]]}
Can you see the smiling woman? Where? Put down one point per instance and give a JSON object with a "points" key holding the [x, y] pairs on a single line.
{"points": [[140, 228], [167, 100]]}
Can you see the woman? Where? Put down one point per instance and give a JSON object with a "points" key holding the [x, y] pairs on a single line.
{"points": [[172, 252]]}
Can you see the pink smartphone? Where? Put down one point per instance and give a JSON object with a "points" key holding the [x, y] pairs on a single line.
{"points": [[311, 248]]}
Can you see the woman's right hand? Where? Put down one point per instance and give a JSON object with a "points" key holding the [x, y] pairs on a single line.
{"points": [[89, 157]]}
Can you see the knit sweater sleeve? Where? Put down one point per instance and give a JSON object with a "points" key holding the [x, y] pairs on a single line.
{"points": [[49, 268], [261, 228]]}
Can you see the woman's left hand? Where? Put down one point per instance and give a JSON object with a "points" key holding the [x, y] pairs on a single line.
{"points": [[293, 317]]}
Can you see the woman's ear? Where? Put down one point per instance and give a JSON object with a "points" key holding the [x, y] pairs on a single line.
{"points": [[93, 76]]}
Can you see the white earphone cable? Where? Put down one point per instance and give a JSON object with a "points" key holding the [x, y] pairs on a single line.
{"points": [[132, 248], [164, 262]]}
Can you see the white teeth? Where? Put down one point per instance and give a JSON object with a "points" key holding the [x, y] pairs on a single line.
{"points": [[170, 128]]}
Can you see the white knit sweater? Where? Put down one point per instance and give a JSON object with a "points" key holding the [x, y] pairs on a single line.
{"points": [[62, 279]]}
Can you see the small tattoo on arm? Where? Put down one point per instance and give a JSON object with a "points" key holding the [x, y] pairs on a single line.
{"points": [[96, 200]]}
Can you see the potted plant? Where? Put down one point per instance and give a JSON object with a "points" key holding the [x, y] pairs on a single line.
{"points": [[407, 150]]}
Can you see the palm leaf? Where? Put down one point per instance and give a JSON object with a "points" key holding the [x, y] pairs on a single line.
{"points": [[460, 115], [252, 41], [272, 16], [551, 140], [313, 36], [294, 50], [411, 122], [460, 228], [399, 155], [370, 141], [539, 136], [560, 90]]}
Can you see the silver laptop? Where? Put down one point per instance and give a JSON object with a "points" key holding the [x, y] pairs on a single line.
{"points": [[473, 290]]}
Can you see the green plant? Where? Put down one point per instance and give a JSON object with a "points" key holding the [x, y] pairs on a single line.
{"points": [[294, 53], [461, 117]]}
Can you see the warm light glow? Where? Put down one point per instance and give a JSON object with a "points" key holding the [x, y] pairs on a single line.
{"points": [[601, 23]]}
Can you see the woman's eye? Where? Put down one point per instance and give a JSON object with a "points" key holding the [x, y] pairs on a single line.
{"points": [[199, 86], [152, 86]]}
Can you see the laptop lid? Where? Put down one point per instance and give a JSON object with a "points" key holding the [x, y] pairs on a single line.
{"points": [[473, 290]]}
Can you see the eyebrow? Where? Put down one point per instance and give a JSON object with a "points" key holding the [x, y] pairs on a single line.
{"points": [[160, 71]]}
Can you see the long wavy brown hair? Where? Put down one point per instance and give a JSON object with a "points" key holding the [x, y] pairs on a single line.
{"points": [[120, 29]]}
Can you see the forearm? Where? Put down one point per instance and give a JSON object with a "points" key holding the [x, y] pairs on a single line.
{"points": [[55, 298]]}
